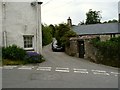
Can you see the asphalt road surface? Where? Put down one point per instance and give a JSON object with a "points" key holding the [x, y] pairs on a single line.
{"points": [[60, 71]]}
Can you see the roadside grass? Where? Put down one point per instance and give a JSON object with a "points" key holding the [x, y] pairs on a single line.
{"points": [[20, 62]]}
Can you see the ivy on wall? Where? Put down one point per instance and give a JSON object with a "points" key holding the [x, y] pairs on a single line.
{"points": [[108, 51]]}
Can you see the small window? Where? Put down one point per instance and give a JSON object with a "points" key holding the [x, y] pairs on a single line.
{"points": [[28, 41]]}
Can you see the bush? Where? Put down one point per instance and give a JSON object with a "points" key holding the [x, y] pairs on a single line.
{"points": [[63, 35], [14, 55], [46, 35], [65, 39], [108, 51], [13, 52], [33, 57]]}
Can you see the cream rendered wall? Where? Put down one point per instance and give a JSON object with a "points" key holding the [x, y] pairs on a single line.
{"points": [[21, 19], [0, 24]]}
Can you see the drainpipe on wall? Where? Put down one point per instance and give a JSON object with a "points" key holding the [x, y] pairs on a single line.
{"points": [[4, 24], [5, 39]]}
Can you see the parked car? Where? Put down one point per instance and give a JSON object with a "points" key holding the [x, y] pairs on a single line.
{"points": [[56, 47]]}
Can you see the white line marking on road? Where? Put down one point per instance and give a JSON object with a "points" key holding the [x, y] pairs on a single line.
{"points": [[79, 69], [9, 67], [58, 69], [115, 73], [98, 71], [81, 72], [101, 73], [26, 67], [84, 71], [62, 70], [44, 68]]}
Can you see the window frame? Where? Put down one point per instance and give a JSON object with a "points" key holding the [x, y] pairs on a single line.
{"points": [[28, 36]]}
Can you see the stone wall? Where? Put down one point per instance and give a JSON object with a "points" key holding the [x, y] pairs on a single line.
{"points": [[90, 51], [72, 49], [107, 37]]}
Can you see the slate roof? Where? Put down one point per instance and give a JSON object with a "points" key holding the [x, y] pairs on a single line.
{"points": [[97, 29]]}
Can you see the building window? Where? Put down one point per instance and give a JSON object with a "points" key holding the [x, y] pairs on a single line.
{"points": [[28, 41]]}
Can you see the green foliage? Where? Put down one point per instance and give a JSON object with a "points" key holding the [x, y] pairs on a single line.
{"points": [[53, 30], [63, 33], [93, 17], [111, 21], [95, 40], [20, 62], [13, 55], [33, 57], [11, 62], [108, 51], [65, 38], [13, 52], [46, 35]]}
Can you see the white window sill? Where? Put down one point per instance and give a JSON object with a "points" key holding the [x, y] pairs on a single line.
{"points": [[29, 49]]}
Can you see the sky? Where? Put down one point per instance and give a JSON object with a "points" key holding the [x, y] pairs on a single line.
{"points": [[58, 11]]}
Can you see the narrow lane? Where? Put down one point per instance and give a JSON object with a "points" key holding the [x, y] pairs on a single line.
{"points": [[60, 59], [60, 71]]}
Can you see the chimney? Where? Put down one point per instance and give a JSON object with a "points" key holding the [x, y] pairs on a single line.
{"points": [[69, 22]]}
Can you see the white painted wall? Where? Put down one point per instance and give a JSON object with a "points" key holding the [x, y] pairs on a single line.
{"points": [[0, 44], [119, 7], [21, 19], [0, 23]]}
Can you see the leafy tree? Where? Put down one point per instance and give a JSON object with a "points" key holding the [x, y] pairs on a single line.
{"points": [[66, 37], [63, 33], [111, 21], [93, 17], [53, 30], [61, 29], [46, 35]]}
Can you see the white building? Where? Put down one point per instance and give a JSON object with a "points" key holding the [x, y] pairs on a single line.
{"points": [[119, 15], [21, 25]]}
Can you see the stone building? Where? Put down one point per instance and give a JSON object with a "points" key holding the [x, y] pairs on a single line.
{"points": [[21, 25], [80, 46]]}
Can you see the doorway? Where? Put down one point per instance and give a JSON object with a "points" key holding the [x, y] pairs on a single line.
{"points": [[81, 48]]}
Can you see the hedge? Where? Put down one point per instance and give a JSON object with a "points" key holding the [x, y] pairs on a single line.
{"points": [[13, 52], [16, 55], [108, 51]]}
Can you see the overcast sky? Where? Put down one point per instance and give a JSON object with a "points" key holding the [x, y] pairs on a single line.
{"points": [[58, 11]]}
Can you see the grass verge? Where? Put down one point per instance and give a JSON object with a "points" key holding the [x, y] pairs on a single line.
{"points": [[20, 62]]}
